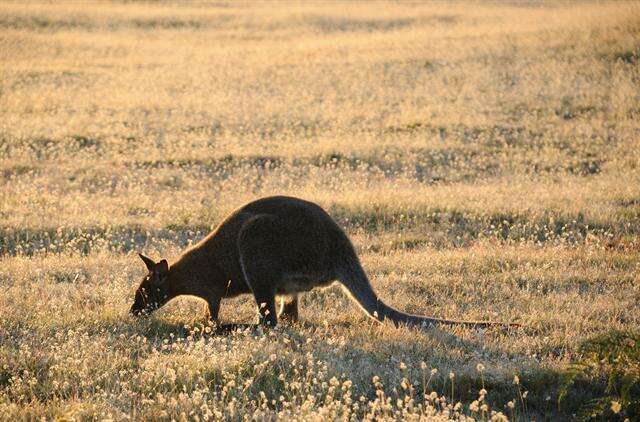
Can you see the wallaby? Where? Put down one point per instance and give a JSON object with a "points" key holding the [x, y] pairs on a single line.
{"points": [[275, 246]]}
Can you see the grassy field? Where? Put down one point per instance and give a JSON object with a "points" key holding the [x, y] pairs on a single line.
{"points": [[484, 158]]}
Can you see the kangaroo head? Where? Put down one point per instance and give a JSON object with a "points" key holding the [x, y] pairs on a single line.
{"points": [[153, 291]]}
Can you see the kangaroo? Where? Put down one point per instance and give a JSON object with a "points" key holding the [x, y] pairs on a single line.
{"points": [[277, 246]]}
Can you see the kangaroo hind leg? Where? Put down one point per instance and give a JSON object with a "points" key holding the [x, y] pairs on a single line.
{"points": [[261, 280], [289, 308], [261, 264]]}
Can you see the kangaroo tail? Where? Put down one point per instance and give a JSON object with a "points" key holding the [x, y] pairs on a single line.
{"points": [[354, 279]]}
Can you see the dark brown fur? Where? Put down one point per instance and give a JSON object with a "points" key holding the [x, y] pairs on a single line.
{"points": [[275, 246]]}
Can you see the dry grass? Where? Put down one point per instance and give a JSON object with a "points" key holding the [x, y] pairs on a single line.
{"points": [[484, 158]]}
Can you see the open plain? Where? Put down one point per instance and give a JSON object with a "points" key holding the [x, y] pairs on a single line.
{"points": [[484, 159]]}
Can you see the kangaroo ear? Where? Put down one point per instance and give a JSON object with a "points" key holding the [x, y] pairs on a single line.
{"points": [[148, 262], [162, 267]]}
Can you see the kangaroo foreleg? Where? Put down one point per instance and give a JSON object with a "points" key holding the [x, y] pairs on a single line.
{"points": [[214, 308]]}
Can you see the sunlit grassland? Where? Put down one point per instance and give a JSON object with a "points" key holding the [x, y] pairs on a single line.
{"points": [[484, 159]]}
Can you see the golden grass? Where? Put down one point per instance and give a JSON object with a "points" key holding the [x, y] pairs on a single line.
{"points": [[484, 158]]}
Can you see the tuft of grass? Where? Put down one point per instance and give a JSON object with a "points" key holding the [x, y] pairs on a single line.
{"points": [[606, 377]]}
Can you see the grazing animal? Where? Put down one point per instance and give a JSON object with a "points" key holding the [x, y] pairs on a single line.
{"points": [[273, 247]]}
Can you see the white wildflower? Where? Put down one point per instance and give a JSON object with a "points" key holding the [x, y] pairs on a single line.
{"points": [[615, 407]]}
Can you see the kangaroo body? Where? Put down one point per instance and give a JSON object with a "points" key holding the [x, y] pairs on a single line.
{"points": [[275, 246]]}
